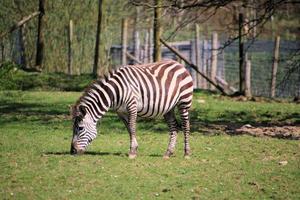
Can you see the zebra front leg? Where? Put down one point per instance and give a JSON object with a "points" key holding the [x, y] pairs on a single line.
{"points": [[172, 124], [184, 114], [129, 120]]}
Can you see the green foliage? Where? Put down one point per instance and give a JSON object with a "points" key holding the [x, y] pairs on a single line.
{"points": [[12, 78], [35, 138]]}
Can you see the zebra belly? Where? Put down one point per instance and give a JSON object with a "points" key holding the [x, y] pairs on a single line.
{"points": [[154, 109]]}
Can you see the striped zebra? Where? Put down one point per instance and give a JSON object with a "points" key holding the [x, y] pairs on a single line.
{"points": [[147, 91]]}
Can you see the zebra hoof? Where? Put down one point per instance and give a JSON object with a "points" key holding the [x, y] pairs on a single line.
{"points": [[132, 156], [166, 157], [168, 154], [187, 157]]}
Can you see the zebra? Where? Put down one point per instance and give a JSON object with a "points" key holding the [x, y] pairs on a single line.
{"points": [[146, 91]]}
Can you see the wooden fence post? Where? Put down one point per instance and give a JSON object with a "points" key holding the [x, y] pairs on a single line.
{"points": [[193, 60], [136, 35], [146, 47], [214, 58], [70, 56], [204, 62], [124, 41], [241, 55], [275, 66], [150, 49], [248, 79], [198, 55]]}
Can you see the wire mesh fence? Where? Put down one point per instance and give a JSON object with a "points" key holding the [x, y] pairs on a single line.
{"points": [[259, 52]]}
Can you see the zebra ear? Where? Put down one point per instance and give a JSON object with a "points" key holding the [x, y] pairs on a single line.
{"points": [[82, 110], [72, 110]]}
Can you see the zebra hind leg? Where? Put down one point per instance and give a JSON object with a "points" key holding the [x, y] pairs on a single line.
{"points": [[184, 114], [172, 124]]}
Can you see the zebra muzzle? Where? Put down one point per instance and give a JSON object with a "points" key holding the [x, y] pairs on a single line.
{"points": [[76, 151]]}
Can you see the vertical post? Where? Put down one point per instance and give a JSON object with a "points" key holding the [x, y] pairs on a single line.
{"points": [[146, 47], [198, 55], [70, 39], [214, 57], [124, 41], [193, 60], [223, 75], [274, 66], [157, 30], [204, 62], [23, 60], [98, 39], [248, 79], [2, 52], [136, 35], [150, 52], [272, 26], [40, 36], [241, 55]]}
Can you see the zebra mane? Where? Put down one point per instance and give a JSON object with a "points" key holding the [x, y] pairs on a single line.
{"points": [[74, 108]]}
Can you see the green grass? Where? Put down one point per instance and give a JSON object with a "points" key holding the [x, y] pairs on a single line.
{"points": [[13, 78], [35, 163]]}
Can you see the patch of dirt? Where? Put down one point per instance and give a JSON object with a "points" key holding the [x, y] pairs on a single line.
{"points": [[284, 132]]}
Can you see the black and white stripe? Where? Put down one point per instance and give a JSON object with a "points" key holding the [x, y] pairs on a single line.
{"points": [[147, 91]]}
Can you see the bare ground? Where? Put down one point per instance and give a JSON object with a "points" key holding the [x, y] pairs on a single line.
{"points": [[285, 132], [260, 130]]}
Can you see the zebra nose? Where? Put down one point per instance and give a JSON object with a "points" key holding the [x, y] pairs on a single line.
{"points": [[75, 150]]}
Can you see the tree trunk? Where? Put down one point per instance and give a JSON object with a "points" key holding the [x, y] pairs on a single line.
{"points": [[40, 36], [157, 30], [97, 45], [70, 39], [241, 55], [2, 52]]}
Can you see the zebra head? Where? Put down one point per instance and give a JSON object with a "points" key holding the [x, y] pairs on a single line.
{"points": [[84, 129]]}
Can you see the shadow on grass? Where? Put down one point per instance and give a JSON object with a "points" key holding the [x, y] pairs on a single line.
{"points": [[92, 153], [207, 122]]}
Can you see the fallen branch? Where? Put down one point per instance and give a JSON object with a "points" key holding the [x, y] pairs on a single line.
{"points": [[18, 24], [133, 58], [175, 51]]}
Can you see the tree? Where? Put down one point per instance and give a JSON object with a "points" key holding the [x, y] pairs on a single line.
{"points": [[40, 36], [96, 58], [157, 30]]}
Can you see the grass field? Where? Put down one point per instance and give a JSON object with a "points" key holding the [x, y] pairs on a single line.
{"points": [[35, 135]]}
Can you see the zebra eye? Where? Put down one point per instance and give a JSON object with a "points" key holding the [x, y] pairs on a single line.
{"points": [[80, 128]]}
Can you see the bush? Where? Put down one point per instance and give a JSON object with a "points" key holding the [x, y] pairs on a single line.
{"points": [[12, 78]]}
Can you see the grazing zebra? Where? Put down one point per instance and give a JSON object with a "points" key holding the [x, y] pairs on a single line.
{"points": [[147, 91]]}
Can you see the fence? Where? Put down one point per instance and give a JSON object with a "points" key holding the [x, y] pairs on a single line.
{"points": [[260, 53]]}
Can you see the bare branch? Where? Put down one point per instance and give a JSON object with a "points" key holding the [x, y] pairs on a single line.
{"points": [[20, 23]]}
